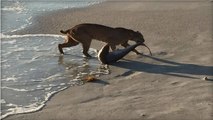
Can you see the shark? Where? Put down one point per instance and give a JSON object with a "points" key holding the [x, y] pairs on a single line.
{"points": [[107, 57]]}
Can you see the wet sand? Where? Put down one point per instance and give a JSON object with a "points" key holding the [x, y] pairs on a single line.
{"points": [[167, 86]]}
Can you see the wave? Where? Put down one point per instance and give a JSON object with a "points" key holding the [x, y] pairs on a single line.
{"points": [[9, 42], [15, 89], [2, 101], [17, 7], [30, 35], [30, 108], [21, 27], [13, 78], [12, 9], [28, 22]]}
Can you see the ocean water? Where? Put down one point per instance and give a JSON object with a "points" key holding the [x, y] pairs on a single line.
{"points": [[31, 72]]}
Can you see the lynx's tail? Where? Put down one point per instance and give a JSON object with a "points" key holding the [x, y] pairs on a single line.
{"points": [[64, 32]]}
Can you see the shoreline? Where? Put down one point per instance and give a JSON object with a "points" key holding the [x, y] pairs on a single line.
{"points": [[39, 20], [133, 89]]}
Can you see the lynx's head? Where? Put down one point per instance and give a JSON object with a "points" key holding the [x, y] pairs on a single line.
{"points": [[137, 36]]}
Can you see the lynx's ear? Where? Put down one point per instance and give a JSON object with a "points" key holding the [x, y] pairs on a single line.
{"points": [[138, 32], [131, 32]]}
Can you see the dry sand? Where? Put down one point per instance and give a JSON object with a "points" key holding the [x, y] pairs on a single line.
{"points": [[167, 86]]}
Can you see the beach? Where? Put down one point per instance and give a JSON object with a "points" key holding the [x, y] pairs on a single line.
{"points": [[169, 85]]}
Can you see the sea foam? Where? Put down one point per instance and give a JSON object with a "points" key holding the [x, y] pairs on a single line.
{"points": [[31, 35], [29, 108]]}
